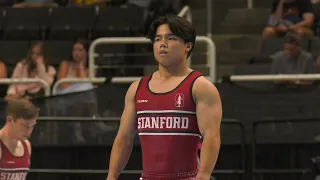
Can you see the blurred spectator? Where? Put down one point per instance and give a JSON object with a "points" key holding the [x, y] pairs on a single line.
{"points": [[290, 15], [82, 105], [76, 67], [35, 65], [3, 70], [293, 60], [3, 74]]}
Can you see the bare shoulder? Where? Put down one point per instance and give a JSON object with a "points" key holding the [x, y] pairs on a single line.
{"points": [[203, 87], [133, 89], [28, 145]]}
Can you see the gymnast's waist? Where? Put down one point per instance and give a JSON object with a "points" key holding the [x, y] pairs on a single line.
{"points": [[175, 176]]}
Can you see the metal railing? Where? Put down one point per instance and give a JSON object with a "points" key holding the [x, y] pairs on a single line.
{"points": [[249, 4], [117, 119], [254, 142], [269, 77], [75, 80], [210, 18], [44, 84], [186, 11], [211, 54]]}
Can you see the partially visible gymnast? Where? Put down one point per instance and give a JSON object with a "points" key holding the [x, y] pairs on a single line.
{"points": [[15, 148]]}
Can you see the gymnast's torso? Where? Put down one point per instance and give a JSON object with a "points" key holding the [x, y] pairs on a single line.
{"points": [[168, 128]]}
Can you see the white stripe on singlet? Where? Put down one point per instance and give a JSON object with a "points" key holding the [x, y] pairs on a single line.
{"points": [[167, 134], [165, 111], [14, 169]]}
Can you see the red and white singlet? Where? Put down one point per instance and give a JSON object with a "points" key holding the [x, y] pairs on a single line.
{"points": [[168, 130], [13, 167]]}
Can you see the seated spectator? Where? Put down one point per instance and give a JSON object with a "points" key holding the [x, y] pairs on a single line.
{"points": [[77, 67], [79, 105], [293, 60], [35, 65], [290, 15]]}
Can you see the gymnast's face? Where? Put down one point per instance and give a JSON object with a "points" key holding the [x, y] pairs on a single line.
{"points": [[168, 48], [21, 129]]}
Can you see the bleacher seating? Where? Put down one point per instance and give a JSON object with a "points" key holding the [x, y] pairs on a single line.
{"points": [[31, 26], [12, 52], [69, 23], [58, 51], [128, 21]]}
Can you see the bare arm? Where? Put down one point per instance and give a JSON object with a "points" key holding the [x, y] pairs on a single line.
{"points": [[17, 73], [3, 70], [47, 75], [123, 142], [307, 21], [279, 9], [62, 73], [209, 115]]}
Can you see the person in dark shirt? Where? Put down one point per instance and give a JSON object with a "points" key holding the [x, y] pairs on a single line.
{"points": [[290, 15]]}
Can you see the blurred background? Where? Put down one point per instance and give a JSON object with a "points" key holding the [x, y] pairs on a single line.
{"points": [[75, 59]]}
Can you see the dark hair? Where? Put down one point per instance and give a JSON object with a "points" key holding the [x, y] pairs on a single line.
{"points": [[28, 59], [292, 38], [179, 26], [85, 45]]}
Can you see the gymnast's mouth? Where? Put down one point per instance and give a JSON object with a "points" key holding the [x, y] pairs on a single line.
{"points": [[163, 52]]}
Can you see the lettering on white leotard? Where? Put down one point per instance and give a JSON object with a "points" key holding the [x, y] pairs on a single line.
{"points": [[163, 122], [13, 175]]}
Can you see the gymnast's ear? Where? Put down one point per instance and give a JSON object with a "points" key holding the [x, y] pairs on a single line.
{"points": [[188, 46]]}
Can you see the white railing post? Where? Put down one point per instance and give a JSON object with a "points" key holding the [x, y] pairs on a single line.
{"points": [[209, 18], [44, 84], [211, 55], [186, 12], [249, 4], [75, 80], [276, 77]]}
